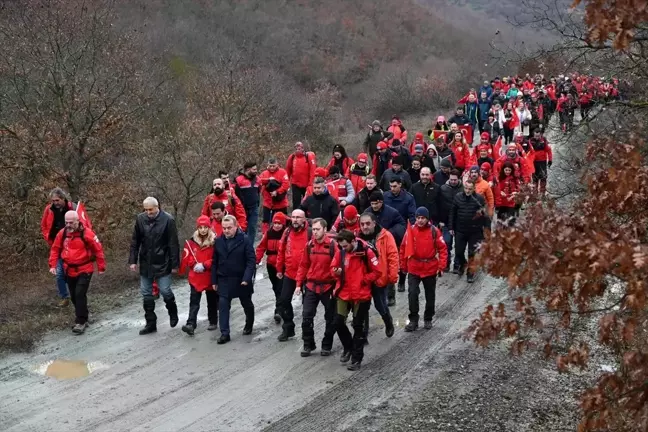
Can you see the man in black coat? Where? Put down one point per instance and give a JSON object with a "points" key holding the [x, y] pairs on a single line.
{"points": [[374, 136], [233, 267], [155, 246], [426, 194], [321, 204], [468, 219], [446, 200], [361, 201]]}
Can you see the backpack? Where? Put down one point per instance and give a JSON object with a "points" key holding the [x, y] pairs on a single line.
{"points": [[366, 245], [85, 242], [289, 229], [332, 246]]}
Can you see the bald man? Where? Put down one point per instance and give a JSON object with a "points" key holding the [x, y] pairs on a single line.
{"points": [[79, 248], [291, 249], [155, 247]]}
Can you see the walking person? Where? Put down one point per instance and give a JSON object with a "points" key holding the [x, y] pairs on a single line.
{"points": [[247, 189], [52, 222], [269, 246], [78, 248], [274, 188], [356, 268], [423, 257], [316, 284], [155, 247], [232, 275], [197, 257], [300, 167]]}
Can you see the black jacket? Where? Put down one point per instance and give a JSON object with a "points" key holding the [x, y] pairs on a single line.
{"points": [[321, 206], [155, 245], [390, 174], [233, 262], [468, 214], [361, 201], [372, 140], [428, 196], [446, 199]]}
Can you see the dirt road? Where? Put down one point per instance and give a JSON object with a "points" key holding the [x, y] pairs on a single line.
{"points": [[172, 382]]}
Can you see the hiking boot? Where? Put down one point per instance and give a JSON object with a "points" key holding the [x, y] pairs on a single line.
{"points": [[411, 326], [189, 329], [172, 308], [247, 330], [148, 328], [389, 326], [455, 270], [470, 278], [427, 324], [306, 351], [212, 327], [401, 287], [79, 328], [391, 302], [354, 366], [64, 303], [345, 357], [223, 339], [462, 270], [285, 335], [277, 318], [325, 352]]}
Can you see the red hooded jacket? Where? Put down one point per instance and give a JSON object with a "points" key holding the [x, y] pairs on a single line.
{"points": [[204, 253], [238, 211], [48, 220], [291, 250], [78, 254], [315, 266], [281, 200], [301, 169], [429, 249], [270, 246], [360, 269]]}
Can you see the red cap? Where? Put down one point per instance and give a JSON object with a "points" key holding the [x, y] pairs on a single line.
{"points": [[486, 166], [279, 218], [350, 212], [203, 221], [362, 157], [485, 136], [381, 145], [418, 136]]}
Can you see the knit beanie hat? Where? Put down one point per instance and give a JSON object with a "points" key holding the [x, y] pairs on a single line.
{"points": [[422, 211]]}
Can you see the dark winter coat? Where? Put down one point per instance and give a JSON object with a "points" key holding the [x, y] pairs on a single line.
{"points": [[464, 217], [373, 138], [155, 245], [321, 206], [389, 174], [446, 199], [391, 220], [403, 203], [361, 201], [428, 196], [234, 262]]}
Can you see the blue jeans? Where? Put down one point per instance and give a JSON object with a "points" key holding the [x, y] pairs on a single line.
{"points": [[252, 222], [379, 295], [61, 286], [164, 283], [448, 239]]}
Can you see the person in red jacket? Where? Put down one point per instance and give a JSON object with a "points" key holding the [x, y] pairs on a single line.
{"points": [[197, 258], [79, 248], [300, 167], [356, 268], [227, 196], [422, 250], [348, 220], [542, 159], [52, 222], [291, 250], [461, 151], [274, 187], [269, 246], [340, 159], [512, 155], [358, 172], [316, 283], [418, 139], [505, 191], [332, 188], [218, 213]]}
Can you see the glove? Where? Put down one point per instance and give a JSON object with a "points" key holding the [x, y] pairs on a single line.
{"points": [[199, 268], [549, 164]]}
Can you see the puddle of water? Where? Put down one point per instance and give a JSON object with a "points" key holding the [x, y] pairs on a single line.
{"points": [[69, 369]]}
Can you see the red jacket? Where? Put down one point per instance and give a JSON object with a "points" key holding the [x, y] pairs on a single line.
{"points": [[217, 227], [204, 253], [315, 266], [358, 176], [339, 186], [508, 186], [414, 143], [281, 177], [301, 169], [238, 211], [521, 167], [332, 190], [269, 246], [291, 250], [346, 164], [461, 152], [429, 249], [541, 150], [78, 254], [360, 270], [48, 220], [341, 223]]}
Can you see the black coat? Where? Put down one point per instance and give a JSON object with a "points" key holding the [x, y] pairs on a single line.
{"points": [[446, 199], [155, 245], [321, 206], [234, 262], [372, 140], [361, 201], [388, 175], [428, 196], [468, 214], [391, 220]]}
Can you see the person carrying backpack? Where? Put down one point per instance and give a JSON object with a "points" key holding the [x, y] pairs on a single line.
{"points": [[300, 167], [423, 257]]}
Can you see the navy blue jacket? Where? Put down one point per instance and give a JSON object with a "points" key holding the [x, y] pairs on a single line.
{"points": [[391, 220], [403, 203], [234, 262]]}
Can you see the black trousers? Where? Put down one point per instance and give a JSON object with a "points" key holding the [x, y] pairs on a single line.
{"points": [[355, 342], [224, 306], [276, 284], [78, 287], [463, 240], [194, 306], [311, 301], [508, 135], [413, 290], [285, 303], [297, 195]]}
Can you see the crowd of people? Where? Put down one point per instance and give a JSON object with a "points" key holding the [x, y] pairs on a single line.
{"points": [[396, 217]]}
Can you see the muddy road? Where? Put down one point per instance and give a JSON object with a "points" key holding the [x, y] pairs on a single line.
{"points": [[120, 381]]}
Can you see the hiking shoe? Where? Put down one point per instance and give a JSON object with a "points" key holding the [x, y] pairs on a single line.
{"points": [[277, 318], [401, 287], [306, 351], [462, 270], [223, 339], [285, 335], [470, 278], [189, 329], [389, 329], [212, 327], [148, 329], [391, 302], [325, 352], [345, 357], [354, 366], [456, 270], [412, 326], [427, 324], [64, 303], [79, 328], [247, 330]]}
